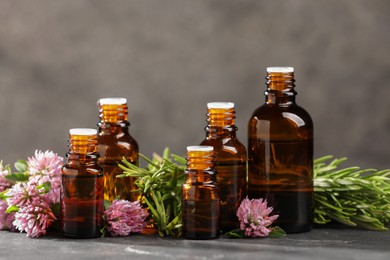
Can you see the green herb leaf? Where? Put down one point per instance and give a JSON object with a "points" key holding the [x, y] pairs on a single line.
{"points": [[104, 228], [277, 232], [21, 166], [160, 186], [56, 209], [351, 196], [17, 176], [3, 195], [46, 186], [236, 233], [12, 208], [107, 203]]}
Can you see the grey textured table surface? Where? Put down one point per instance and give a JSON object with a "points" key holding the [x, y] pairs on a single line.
{"points": [[324, 243]]}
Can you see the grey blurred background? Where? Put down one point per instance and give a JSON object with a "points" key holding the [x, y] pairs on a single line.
{"points": [[169, 58]]}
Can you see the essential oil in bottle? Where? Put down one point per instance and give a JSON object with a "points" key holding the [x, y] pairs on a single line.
{"points": [[82, 203], [200, 195], [230, 160], [115, 142], [280, 153]]}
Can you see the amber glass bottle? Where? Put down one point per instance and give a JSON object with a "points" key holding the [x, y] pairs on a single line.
{"points": [[280, 153], [115, 143], [200, 195], [82, 203], [230, 160]]}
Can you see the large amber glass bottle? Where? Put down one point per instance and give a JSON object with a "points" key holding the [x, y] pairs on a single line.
{"points": [[280, 153], [115, 143], [200, 195], [82, 203], [230, 160]]}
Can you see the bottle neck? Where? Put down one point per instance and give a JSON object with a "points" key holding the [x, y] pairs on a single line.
{"points": [[113, 118], [200, 160], [113, 114], [280, 88], [113, 128], [82, 148], [221, 123]]}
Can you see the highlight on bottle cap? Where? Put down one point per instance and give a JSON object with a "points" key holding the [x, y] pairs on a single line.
{"points": [[280, 69], [82, 131], [200, 148], [220, 105], [112, 101]]}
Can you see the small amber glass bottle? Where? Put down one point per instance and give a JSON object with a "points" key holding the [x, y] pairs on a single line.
{"points": [[82, 203], [115, 143], [230, 160], [200, 195], [280, 153]]}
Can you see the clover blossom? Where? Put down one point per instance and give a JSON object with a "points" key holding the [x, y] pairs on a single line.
{"points": [[4, 183], [254, 217], [32, 200], [124, 217], [22, 194], [45, 167], [5, 218], [45, 163], [34, 218], [3, 215]]}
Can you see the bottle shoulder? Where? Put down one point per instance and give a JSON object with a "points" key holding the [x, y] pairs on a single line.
{"points": [[113, 149], [292, 114], [81, 169], [273, 122], [121, 140], [226, 148]]}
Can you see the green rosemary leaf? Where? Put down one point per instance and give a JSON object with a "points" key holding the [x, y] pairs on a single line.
{"points": [[341, 219], [166, 153], [160, 186], [370, 226], [322, 159], [179, 159], [148, 160], [351, 196], [236, 233], [151, 208], [328, 205]]}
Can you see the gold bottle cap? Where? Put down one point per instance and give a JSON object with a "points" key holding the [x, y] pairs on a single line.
{"points": [[83, 131], [112, 101], [200, 148], [220, 105], [280, 69]]}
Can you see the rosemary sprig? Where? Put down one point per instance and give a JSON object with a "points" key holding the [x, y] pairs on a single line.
{"points": [[351, 196], [160, 186]]}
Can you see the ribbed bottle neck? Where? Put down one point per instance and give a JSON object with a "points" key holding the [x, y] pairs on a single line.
{"points": [[221, 120], [200, 160], [82, 144], [280, 88], [113, 113]]}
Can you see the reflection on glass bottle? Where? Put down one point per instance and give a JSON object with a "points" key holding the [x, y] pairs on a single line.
{"points": [[230, 160], [280, 153], [200, 195], [115, 143], [82, 203]]}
